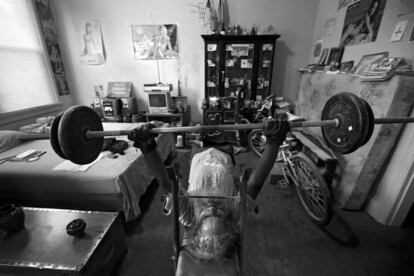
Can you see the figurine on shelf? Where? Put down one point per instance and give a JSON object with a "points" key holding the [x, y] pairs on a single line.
{"points": [[254, 30], [237, 30], [205, 104], [179, 83]]}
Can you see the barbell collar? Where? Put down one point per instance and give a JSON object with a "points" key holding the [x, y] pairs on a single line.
{"points": [[95, 134]]}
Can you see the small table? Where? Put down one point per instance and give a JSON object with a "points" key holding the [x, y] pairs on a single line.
{"points": [[176, 118], [44, 248]]}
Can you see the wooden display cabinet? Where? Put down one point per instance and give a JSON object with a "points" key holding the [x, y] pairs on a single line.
{"points": [[232, 62]]}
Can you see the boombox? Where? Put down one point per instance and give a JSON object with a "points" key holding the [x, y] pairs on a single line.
{"points": [[115, 109]]}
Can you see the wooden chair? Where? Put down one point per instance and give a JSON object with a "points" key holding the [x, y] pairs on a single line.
{"points": [[184, 263]]}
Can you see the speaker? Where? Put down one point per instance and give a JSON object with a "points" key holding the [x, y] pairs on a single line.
{"points": [[112, 108]]}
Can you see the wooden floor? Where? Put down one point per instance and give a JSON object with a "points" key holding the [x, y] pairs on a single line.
{"points": [[280, 239]]}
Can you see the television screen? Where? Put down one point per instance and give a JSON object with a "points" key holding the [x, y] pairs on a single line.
{"points": [[157, 100]]}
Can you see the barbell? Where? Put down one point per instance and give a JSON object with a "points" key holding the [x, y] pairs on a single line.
{"points": [[347, 124]]}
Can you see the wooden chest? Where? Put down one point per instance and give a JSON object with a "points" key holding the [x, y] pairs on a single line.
{"points": [[44, 248]]}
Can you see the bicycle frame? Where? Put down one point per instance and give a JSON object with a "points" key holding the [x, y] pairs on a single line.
{"points": [[301, 171], [288, 168]]}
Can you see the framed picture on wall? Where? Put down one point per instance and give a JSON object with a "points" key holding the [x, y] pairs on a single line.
{"points": [[157, 41], [355, 30], [369, 61]]}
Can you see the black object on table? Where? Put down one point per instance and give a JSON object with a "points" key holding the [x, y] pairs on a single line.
{"points": [[43, 246]]}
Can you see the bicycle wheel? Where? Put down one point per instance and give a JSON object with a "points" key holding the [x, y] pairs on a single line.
{"points": [[257, 141], [312, 190]]}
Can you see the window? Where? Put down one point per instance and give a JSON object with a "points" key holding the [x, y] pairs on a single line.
{"points": [[25, 76]]}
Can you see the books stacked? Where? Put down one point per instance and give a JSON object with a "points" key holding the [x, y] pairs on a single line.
{"points": [[383, 69]]}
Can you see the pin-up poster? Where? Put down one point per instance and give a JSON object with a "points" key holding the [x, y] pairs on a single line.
{"points": [[155, 41], [91, 46], [362, 22]]}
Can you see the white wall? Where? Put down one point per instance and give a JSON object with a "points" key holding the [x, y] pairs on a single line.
{"points": [[293, 19], [404, 48]]}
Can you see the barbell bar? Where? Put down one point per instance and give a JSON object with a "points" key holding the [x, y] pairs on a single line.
{"points": [[394, 120], [347, 123], [205, 128], [160, 130]]}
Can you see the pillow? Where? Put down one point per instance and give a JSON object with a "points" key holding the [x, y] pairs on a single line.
{"points": [[9, 139]]}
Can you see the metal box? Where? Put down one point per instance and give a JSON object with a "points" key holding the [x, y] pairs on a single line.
{"points": [[44, 248]]}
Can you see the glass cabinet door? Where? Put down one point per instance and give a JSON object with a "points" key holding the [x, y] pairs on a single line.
{"points": [[213, 70], [238, 68], [265, 71]]}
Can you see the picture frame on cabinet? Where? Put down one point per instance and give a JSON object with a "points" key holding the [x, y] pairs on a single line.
{"points": [[369, 61], [346, 66], [412, 34], [246, 63], [335, 55], [324, 56]]}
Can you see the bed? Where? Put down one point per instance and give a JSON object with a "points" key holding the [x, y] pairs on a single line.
{"points": [[109, 184]]}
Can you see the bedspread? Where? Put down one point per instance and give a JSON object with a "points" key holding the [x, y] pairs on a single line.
{"points": [[110, 184]]}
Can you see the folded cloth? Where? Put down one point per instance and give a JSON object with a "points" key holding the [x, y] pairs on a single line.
{"points": [[9, 139]]}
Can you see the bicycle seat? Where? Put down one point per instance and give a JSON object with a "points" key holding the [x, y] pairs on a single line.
{"points": [[294, 118]]}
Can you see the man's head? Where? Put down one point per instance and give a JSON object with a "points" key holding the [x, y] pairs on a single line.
{"points": [[215, 237], [214, 233]]}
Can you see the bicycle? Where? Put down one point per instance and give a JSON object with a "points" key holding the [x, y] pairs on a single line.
{"points": [[298, 169]]}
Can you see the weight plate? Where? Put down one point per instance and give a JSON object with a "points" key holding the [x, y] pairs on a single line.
{"points": [[371, 122], [352, 115], [74, 124], [53, 136]]}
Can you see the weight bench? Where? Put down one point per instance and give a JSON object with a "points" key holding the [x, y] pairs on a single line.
{"points": [[184, 262]]}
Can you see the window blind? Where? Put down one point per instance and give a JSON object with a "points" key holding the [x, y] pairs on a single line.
{"points": [[25, 79]]}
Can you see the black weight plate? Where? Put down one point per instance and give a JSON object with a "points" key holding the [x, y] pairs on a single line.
{"points": [[352, 115], [53, 136], [74, 124], [371, 122]]}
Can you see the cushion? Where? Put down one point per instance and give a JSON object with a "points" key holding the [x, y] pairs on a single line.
{"points": [[9, 139]]}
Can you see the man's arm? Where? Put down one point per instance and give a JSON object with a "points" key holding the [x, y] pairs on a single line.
{"points": [[157, 168], [144, 140], [275, 131]]}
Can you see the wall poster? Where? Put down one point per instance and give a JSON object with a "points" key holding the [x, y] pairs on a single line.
{"points": [[362, 22], [406, 7], [345, 3], [399, 31], [330, 26], [155, 41], [91, 45], [52, 45]]}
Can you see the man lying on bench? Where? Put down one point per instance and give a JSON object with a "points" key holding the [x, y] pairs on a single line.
{"points": [[211, 225]]}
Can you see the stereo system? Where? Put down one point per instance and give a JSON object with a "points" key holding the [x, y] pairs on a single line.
{"points": [[118, 106]]}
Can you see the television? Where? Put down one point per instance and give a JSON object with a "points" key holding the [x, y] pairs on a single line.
{"points": [[159, 101]]}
